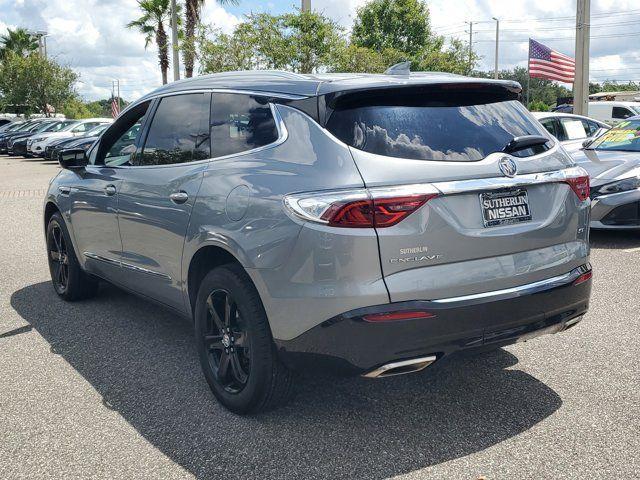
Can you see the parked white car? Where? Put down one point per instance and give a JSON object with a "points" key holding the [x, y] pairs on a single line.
{"points": [[38, 143], [613, 112], [571, 130]]}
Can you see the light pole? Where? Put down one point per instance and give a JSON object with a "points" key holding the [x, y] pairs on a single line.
{"points": [[470, 23], [581, 80], [174, 41], [497, 45], [305, 5]]}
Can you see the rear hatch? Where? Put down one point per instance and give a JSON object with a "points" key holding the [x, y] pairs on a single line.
{"points": [[489, 220]]}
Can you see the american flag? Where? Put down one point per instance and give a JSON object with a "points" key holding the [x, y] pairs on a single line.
{"points": [[115, 108], [549, 64]]}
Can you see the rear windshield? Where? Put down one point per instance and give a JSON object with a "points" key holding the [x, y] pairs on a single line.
{"points": [[438, 130]]}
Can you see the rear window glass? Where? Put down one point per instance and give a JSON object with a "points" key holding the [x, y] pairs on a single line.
{"points": [[434, 129]]}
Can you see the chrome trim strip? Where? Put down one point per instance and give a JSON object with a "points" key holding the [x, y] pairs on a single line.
{"points": [[94, 256], [387, 369], [118, 263], [135, 268], [496, 183], [546, 284]]}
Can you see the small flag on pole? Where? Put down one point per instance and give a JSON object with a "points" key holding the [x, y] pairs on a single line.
{"points": [[115, 108], [549, 64]]}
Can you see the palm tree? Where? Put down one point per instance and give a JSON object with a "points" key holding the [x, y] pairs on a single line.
{"points": [[153, 24], [192, 18], [18, 41]]}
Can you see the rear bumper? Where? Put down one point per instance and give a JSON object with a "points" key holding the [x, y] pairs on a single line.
{"points": [[349, 344], [617, 211]]}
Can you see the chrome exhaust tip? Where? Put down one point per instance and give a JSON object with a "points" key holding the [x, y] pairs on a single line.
{"points": [[400, 368]]}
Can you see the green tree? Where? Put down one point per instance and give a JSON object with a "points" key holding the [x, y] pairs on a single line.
{"points": [[311, 39], [402, 25], [153, 24], [18, 41], [76, 108], [35, 84], [193, 8], [302, 42]]}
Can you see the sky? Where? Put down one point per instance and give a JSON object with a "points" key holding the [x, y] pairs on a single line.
{"points": [[90, 35]]}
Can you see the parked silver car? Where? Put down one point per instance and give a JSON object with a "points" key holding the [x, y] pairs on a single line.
{"points": [[613, 163], [370, 224], [571, 130]]}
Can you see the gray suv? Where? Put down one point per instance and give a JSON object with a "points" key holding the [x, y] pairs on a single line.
{"points": [[367, 224]]}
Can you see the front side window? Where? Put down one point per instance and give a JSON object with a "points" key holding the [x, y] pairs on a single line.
{"points": [[240, 123], [442, 126], [118, 144], [622, 112], [551, 126], [178, 131], [624, 137]]}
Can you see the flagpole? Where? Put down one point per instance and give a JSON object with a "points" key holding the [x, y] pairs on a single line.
{"points": [[528, 74]]}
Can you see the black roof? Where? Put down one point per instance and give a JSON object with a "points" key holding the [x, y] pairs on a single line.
{"points": [[287, 84]]}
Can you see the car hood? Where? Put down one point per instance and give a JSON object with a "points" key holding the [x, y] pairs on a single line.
{"points": [[606, 166]]}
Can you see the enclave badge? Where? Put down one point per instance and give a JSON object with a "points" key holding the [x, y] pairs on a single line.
{"points": [[508, 167]]}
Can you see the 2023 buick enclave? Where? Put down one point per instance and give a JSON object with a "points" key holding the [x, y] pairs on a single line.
{"points": [[365, 223]]}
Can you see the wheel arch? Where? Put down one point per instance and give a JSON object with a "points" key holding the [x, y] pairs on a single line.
{"points": [[202, 262], [49, 209]]}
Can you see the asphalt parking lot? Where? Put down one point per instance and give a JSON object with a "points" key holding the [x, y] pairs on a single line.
{"points": [[111, 388]]}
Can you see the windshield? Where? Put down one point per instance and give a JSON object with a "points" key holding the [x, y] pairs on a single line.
{"points": [[14, 127], [50, 127], [69, 126], [60, 126], [440, 128], [625, 136], [97, 130]]}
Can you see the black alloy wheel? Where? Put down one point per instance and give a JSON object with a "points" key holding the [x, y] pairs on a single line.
{"points": [[58, 259], [226, 339]]}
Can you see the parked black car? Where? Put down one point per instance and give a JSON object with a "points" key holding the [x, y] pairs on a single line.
{"points": [[7, 133], [51, 151], [40, 125]]}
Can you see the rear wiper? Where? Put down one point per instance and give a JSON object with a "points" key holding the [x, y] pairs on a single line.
{"points": [[525, 141]]}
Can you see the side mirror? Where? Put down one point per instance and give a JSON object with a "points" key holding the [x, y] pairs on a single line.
{"points": [[73, 158]]}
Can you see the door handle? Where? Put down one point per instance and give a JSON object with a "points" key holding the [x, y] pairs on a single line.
{"points": [[179, 197], [110, 190]]}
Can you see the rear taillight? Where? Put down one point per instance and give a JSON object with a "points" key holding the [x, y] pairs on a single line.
{"points": [[585, 277], [375, 207], [580, 186]]}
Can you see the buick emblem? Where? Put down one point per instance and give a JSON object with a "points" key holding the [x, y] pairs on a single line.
{"points": [[508, 167]]}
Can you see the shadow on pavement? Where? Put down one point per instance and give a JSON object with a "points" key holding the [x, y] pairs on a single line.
{"points": [[141, 359], [614, 239]]}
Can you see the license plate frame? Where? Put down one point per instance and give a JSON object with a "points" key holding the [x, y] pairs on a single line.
{"points": [[519, 209]]}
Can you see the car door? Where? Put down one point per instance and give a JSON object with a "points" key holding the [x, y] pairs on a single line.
{"points": [[157, 194], [94, 201]]}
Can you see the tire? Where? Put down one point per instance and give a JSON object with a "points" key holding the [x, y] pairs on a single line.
{"points": [[69, 280], [235, 346]]}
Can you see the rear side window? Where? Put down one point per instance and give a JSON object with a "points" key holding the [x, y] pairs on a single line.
{"points": [[574, 128], [177, 131], [240, 123], [621, 112], [439, 127]]}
